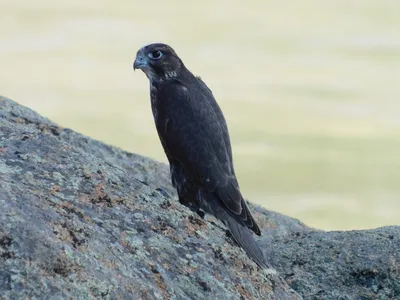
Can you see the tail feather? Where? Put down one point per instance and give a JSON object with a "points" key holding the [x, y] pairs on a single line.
{"points": [[238, 227], [244, 237]]}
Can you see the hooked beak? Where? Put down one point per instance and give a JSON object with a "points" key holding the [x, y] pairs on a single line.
{"points": [[140, 62]]}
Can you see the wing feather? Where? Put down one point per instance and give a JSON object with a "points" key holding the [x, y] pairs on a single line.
{"points": [[195, 137]]}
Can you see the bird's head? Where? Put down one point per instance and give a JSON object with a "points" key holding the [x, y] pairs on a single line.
{"points": [[158, 62]]}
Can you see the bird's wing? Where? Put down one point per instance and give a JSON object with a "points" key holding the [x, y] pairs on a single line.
{"points": [[220, 116], [191, 133]]}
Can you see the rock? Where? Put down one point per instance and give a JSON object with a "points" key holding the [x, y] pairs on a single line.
{"points": [[83, 220], [362, 264]]}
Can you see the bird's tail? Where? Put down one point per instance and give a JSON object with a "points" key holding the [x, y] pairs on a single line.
{"points": [[244, 237], [210, 203]]}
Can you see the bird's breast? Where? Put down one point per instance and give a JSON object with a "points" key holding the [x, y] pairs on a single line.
{"points": [[153, 99]]}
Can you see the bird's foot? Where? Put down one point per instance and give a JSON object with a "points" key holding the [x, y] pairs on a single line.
{"points": [[193, 208], [198, 211]]}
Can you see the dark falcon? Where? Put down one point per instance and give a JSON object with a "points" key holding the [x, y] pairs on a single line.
{"points": [[195, 138]]}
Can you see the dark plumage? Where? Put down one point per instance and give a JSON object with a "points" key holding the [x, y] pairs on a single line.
{"points": [[195, 138]]}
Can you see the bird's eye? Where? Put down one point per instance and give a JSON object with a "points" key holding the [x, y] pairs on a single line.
{"points": [[155, 54]]}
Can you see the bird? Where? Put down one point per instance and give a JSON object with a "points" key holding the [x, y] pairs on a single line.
{"points": [[195, 138]]}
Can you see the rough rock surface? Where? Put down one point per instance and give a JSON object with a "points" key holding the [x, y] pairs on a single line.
{"points": [[83, 220], [340, 265]]}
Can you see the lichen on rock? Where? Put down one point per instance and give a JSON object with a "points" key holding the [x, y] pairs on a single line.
{"points": [[83, 220]]}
